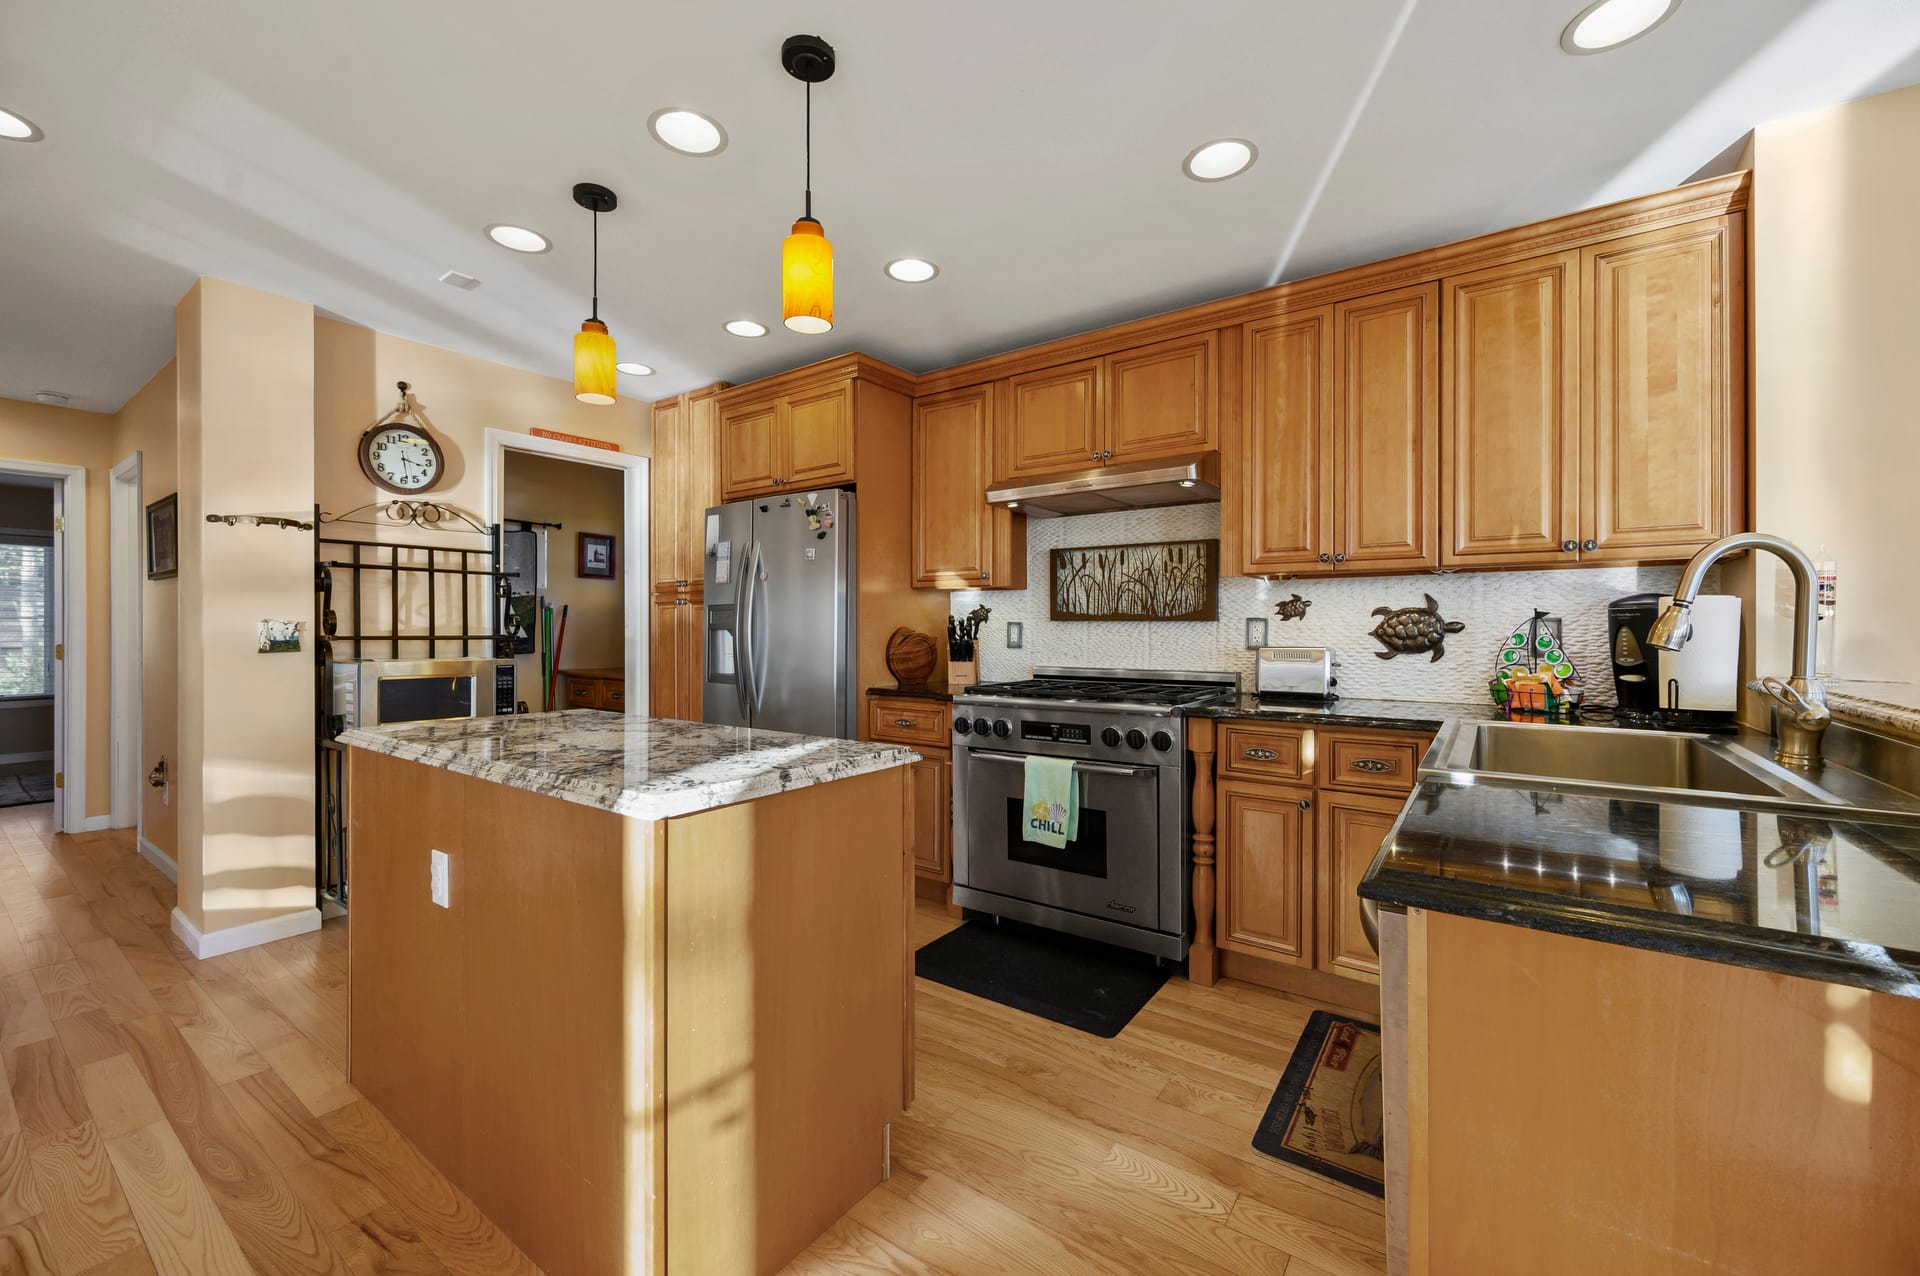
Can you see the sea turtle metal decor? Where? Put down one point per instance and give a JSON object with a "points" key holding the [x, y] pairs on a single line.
{"points": [[1411, 630], [1294, 608]]}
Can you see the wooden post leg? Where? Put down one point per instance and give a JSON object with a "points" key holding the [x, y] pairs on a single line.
{"points": [[1203, 960]]}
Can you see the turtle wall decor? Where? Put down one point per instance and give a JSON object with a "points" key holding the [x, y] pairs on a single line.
{"points": [[1411, 630], [1294, 608]]}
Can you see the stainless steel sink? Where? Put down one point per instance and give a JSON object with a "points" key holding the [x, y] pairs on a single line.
{"points": [[1721, 770]]}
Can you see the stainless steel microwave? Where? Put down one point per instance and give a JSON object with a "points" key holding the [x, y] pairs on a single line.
{"points": [[374, 693]]}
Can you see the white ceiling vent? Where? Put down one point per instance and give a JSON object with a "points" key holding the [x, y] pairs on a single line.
{"points": [[464, 282]]}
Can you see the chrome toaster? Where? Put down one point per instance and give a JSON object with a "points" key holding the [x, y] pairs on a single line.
{"points": [[1296, 673]]}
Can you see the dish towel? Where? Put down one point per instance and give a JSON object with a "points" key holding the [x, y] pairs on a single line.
{"points": [[1053, 801]]}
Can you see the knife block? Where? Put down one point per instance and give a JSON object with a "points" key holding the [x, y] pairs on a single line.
{"points": [[962, 673]]}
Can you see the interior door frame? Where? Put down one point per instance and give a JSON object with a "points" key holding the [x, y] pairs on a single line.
{"points": [[126, 534], [69, 618], [635, 557]]}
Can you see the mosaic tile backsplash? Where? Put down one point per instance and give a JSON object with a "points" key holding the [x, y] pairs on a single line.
{"points": [[1490, 604]]}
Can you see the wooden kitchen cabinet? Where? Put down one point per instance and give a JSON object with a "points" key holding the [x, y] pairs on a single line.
{"points": [[1662, 408], [1387, 430], [818, 437], [924, 724], [960, 541], [676, 683], [749, 449], [1350, 831], [1161, 399], [932, 830], [1277, 503], [802, 430], [1266, 871], [683, 482], [594, 689], [1510, 415], [1052, 423]]}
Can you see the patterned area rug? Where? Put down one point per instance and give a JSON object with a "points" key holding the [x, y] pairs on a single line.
{"points": [[26, 790], [1326, 1115]]}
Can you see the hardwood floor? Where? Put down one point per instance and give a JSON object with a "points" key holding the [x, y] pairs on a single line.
{"points": [[165, 1115]]}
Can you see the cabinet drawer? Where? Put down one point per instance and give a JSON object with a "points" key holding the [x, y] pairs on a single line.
{"points": [[1371, 761], [613, 695], [1255, 751], [908, 721], [582, 694]]}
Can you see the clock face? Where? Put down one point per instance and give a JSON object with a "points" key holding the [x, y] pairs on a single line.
{"points": [[400, 458]]}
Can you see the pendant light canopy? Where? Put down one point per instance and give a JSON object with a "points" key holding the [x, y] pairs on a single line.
{"points": [[593, 350], [806, 257]]}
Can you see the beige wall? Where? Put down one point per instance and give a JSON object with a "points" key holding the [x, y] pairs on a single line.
{"points": [[582, 498], [1836, 333], [148, 424], [246, 775], [67, 436]]}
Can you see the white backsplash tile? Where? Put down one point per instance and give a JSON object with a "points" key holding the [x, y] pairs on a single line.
{"points": [[1489, 604]]}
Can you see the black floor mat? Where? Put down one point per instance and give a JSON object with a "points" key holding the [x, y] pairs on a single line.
{"points": [[1093, 987], [26, 790]]}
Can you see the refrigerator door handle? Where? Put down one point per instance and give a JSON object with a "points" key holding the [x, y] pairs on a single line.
{"points": [[743, 636], [756, 583]]}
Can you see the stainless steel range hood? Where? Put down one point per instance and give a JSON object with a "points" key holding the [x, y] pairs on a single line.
{"points": [[1137, 485]]}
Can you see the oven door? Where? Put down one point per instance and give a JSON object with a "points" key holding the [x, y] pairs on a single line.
{"points": [[1111, 870]]}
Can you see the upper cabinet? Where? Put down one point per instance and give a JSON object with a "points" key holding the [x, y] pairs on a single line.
{"points": [[1510, 414], [1277, 497], [1150, 401], [1662, 418], [681, 478], [798, 430], [1386, 453], [959, 541]]}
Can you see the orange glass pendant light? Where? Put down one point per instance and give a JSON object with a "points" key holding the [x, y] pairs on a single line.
{"points": [[593, 349], [806, 256]]}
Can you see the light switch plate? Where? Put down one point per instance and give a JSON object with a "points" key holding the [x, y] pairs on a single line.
{"points": [[437, 878]]}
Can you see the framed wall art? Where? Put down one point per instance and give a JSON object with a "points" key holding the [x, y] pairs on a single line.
{"points": [[596, 556], [1176, 580]]}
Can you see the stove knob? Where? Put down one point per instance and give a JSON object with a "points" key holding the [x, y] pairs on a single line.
{"points": [[1003, 728], [1111, 738], [1162, 741], [962, 726], [1136, 739]]}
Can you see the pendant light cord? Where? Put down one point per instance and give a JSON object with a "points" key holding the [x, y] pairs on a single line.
{"points": [[809, 84], [596, 264]]}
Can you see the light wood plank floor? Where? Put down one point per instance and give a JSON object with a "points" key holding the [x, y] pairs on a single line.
{"points": [[165, 1115]]}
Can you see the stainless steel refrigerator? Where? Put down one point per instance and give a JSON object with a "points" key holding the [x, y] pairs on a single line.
{"points": [[779, 614]]}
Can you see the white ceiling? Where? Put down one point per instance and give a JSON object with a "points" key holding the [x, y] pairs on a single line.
{"points": [[350, 152]]}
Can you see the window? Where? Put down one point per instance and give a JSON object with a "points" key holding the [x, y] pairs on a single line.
{"points": [[26, 615]]}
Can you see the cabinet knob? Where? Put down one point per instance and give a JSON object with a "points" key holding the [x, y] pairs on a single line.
{"points": [[983, 576], [1589, 545], [1305, 805], [1339, 558], [1326, 558], [1568, 547]]}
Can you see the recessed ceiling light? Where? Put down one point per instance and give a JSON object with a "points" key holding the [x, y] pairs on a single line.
{"points": [[18, 128], [746, 328], [52, 398], [635, 369], [518, 238], [1217, 161], [688, 132], [912, 270], [1608, 24]]}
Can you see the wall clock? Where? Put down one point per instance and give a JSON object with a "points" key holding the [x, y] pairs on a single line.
{"points": [[398, 454]]}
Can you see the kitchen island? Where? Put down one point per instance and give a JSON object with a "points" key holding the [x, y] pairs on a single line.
{"points": [[1632, 1034], [652, 1009]]}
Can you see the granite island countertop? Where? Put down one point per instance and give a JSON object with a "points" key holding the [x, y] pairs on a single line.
{"points": [[1814, 897], [651, 768]]}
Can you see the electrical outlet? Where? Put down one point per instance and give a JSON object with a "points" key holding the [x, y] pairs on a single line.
{"points": [[437, 879]]}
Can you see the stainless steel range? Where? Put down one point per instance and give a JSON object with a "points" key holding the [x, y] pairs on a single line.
{"points": [[1124, 879]]}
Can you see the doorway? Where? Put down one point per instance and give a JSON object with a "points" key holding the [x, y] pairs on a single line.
{"points": [[42, 674], [126, 516]]}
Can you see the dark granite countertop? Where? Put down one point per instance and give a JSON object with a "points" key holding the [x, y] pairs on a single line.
{"points": [[912, 693], [1404, 715], [1841, 902]]}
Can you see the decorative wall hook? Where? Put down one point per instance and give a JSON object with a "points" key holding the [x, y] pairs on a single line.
{"points": [[260, 520]]}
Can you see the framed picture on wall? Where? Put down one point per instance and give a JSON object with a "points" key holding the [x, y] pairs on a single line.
{"points": [[596, 556], [163, 537]]}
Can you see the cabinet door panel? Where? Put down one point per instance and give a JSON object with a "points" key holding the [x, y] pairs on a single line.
{"points": [[818, 438], [959, 541], [1161, 399], [1266, 872], [932, 815], [1387, 441], [699, 487], [1052, 421], [748, 455], [1657, 409], [689, 658], [1352, 829], [1282, 489], [665, 481], [664, 677], [1510, 440]]}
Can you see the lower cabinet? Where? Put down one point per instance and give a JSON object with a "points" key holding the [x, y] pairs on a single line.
{"points": [[1266, 871], [676, 682], [1349, 833], [932, 780], [925, 725], [595, 689]]}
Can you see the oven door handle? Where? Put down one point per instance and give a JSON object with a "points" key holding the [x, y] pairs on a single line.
{"points": [[1103, 768]]}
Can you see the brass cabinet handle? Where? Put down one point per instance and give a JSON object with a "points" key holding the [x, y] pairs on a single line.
{"points": [[905, 722], [1375, 765], [1259, 755]]}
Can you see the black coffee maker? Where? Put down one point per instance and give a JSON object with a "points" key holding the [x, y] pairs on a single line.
{"points": [[1629, 620]]}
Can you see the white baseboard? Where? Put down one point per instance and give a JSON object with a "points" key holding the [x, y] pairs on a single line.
{"points": [[158, 858], [96, 823], [10, 759], [233, 938]]}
